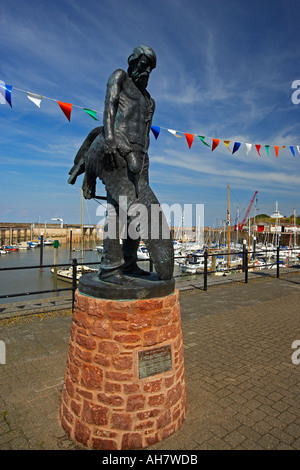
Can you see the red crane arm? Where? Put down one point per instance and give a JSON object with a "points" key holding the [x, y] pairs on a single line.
{"points": [[247, 212]]}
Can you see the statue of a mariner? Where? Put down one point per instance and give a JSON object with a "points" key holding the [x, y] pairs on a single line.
{"points": [[117, 153]]}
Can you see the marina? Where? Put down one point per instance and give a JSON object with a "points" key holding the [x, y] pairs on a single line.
{"points": [[190, 261]]}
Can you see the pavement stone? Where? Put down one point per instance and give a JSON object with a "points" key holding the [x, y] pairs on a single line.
{"points": [[242, 386]]}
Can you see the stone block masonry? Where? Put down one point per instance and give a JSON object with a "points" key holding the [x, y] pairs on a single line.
{"points": [[106, 402]]}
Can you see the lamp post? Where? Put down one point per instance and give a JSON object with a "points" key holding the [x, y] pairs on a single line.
{"points": [[59, 220]]}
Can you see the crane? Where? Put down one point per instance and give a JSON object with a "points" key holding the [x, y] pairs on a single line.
{"points": [[240, 226]]}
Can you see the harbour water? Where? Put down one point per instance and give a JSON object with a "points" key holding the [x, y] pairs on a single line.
{"points": [[31, 280]]}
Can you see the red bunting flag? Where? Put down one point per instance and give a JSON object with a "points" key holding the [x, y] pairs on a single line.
{"points": [[189, 139], [66, 109], [215, 143], [276, 147], [258, 149]]}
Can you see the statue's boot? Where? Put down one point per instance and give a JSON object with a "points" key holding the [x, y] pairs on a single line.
{"points": [[135, 270], [115, 277]]}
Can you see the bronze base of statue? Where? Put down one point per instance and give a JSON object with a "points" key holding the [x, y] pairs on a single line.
{"points": [[143, 287]]}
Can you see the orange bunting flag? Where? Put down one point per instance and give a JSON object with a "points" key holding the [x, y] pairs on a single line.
{"points": [[66, 109], [215, 143], [276, 147], [258, 149], [189, 139]]}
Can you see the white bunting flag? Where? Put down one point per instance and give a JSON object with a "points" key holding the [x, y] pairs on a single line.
{"points": [[174, 133], [36, 99], [248, 148]]}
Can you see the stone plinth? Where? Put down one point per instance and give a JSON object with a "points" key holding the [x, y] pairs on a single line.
{"points": [[124, 383]]}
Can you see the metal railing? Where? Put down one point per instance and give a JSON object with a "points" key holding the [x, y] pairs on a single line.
{"points": [[244, 267]]}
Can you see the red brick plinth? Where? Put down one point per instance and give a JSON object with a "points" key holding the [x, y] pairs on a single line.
{"points": [[105, 402]]}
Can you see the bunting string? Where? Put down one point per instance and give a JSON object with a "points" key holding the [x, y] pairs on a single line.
{"points": [[215, 142], [6, 92], [211, 142]]}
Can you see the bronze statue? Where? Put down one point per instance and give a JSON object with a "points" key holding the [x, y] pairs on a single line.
{"points": [[117, 153]]}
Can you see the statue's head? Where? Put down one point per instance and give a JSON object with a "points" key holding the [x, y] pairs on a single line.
{"points": [[141, 62]]}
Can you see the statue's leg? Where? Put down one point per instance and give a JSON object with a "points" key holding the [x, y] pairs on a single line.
{"points": [[156, 233], [112, 257]]}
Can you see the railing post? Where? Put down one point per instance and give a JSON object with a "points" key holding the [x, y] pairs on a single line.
{"points": [[74, 281], [246, 266], [277, 262], [41, 252], [205, 270], [71, 241], [244, 256]]}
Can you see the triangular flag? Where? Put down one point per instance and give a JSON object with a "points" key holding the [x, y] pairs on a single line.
{"points": [[189, 139], [298, 148], [174, 133], [236, 146], [36, 99], [258, 148], [267, 149], [5, 90], [215, 143], [248, 148], [276, 147], [283, 147], [66, 109], [155, 130], [292, 150], [202, 137], [227, 142], [91, 113]]}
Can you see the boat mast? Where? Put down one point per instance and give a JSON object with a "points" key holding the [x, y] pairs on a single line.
{"points": [[228, 228], [295, 239]]}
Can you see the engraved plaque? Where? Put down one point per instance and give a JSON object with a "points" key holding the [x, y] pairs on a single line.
{"points": [[155, 361]]}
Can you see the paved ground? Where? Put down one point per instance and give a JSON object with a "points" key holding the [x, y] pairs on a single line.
{"points": [[242, 385]]}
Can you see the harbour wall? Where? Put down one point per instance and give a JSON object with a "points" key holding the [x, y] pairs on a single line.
{"points": [[14, 232], [11, 233]]}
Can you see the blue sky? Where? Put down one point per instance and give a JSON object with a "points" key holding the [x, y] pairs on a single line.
{"points": [[224, 70]]}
